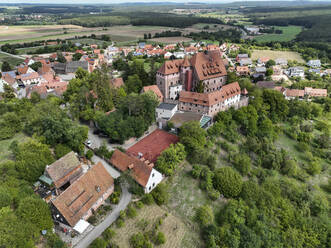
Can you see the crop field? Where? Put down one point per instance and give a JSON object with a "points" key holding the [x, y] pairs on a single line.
{"points": [[277, 54], [169, 40], [294, 13], [11, 60], [172, 227], [289, 33]]}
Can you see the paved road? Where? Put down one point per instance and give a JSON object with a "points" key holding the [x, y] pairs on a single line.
{"points": [[97, 231], [114, 173]]}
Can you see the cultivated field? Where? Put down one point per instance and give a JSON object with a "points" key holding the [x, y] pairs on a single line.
{"points": [[169, 40], [277, 54], [172, 227], [11, 60], [289, 33]]}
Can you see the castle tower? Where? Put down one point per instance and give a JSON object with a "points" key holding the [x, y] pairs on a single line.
{"points": [[186, 74]]}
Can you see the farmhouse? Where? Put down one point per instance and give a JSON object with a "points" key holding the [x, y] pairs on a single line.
{"points": [[141, 170], [83, 197], [152, 145]]}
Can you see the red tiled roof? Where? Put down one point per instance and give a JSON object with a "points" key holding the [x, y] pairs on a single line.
{"points": [[209, 99], [140, 170], [79, 197], [294, 93], [154, 89], [117, 82], [170, 66], [316, 92], [22, 69], [152, 145]]}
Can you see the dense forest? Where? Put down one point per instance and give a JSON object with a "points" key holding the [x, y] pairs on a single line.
{"points": [[232, 35], [138, 19]]}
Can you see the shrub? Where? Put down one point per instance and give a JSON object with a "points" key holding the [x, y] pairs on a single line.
{"points": [[204, 215], [148, 199], [228, 182], [60, 150], [139, 240], [89, 154], [108, 234], [214, 194], [92, 219], [139, 204], [131, 212], [160, 194], [314, 168], [98, 243], [120, 223], [160, 238]]}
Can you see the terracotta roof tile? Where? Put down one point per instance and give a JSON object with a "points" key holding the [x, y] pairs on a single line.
{"points": [[79, 197], [154, 89]]}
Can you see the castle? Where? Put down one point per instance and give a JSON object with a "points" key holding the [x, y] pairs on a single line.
{"points": [[177, 75]]}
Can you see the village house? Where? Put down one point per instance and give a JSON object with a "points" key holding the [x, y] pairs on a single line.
{"points": [[140, 170], [293, 94], [296, 71], [241, 56], [262, 61], [281, 62], [82, 198], [155, 90], [245, 62], [151, 146], [24, 69], [315, 92], [314, 63], [213, 102], [177, 75], [242, 70], [10, 78], [29, 78]]}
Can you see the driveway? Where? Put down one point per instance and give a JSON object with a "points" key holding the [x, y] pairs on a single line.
{"points": [[98, 230]]}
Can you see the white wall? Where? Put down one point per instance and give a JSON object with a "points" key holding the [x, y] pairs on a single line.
{"points": [[164, 113], [154, 179], [174, 91]]}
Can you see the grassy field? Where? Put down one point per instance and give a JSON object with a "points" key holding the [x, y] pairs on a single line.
{"points": [[277, 54], [172, 227], [11, 60], [289, 33], [4, 146]]}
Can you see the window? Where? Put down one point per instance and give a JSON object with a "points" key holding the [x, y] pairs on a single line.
{"points": [[150, 188], [153, 184], [153, 175]]}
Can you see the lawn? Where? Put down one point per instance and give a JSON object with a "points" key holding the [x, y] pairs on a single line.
{"points": [[172, 227], [289, 33], [289, 55], [5, 153]]}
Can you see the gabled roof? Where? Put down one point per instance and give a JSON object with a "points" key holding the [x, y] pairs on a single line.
{"points": [[22, 69], [62, 166], [208, 65], [209, 99], [140, 170], [170, 66], [154, 89], [117, 82], [294, 93], [79, 197]]}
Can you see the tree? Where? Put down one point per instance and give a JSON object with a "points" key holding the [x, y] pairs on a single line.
{"points": [[140, 240], [204, 215], [134, 84], [35, 211], [5, 66], [270, 63], [269, 72], [60, 150], [192, 135], [31, 159], [242, 163], [36, 65], [8, 93], [228, 182], [314, 168], [77, 56], [160, 194], [98, 243], [171, 158]]}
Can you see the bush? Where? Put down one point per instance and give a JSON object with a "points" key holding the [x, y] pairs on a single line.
{"points": [[214, 194], [114, 198], [314, 168], [89, 154], [204, 215], [108, 234], [92, 219], [228, 182], [160, 194], [148, 199], [131, 212], [119, 223], [60, 150], [139, 240], [160, 238], [139, 204], [98, 243]]}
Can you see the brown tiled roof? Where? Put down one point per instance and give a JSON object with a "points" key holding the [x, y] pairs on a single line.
{"points": [[242, 69], [316, 92], [170, 66], [208, 65], [294, 93], [9, 79], [140, 171], [22, 69], [186, 62], [46, 68], [28, 76], [117, 82], [79, 197], [266, 84], [209, 99], [152, 145], [62, 166], [154, 89]]}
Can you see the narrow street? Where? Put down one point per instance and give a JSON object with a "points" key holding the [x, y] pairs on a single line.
{"points": [[98, 230]]}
